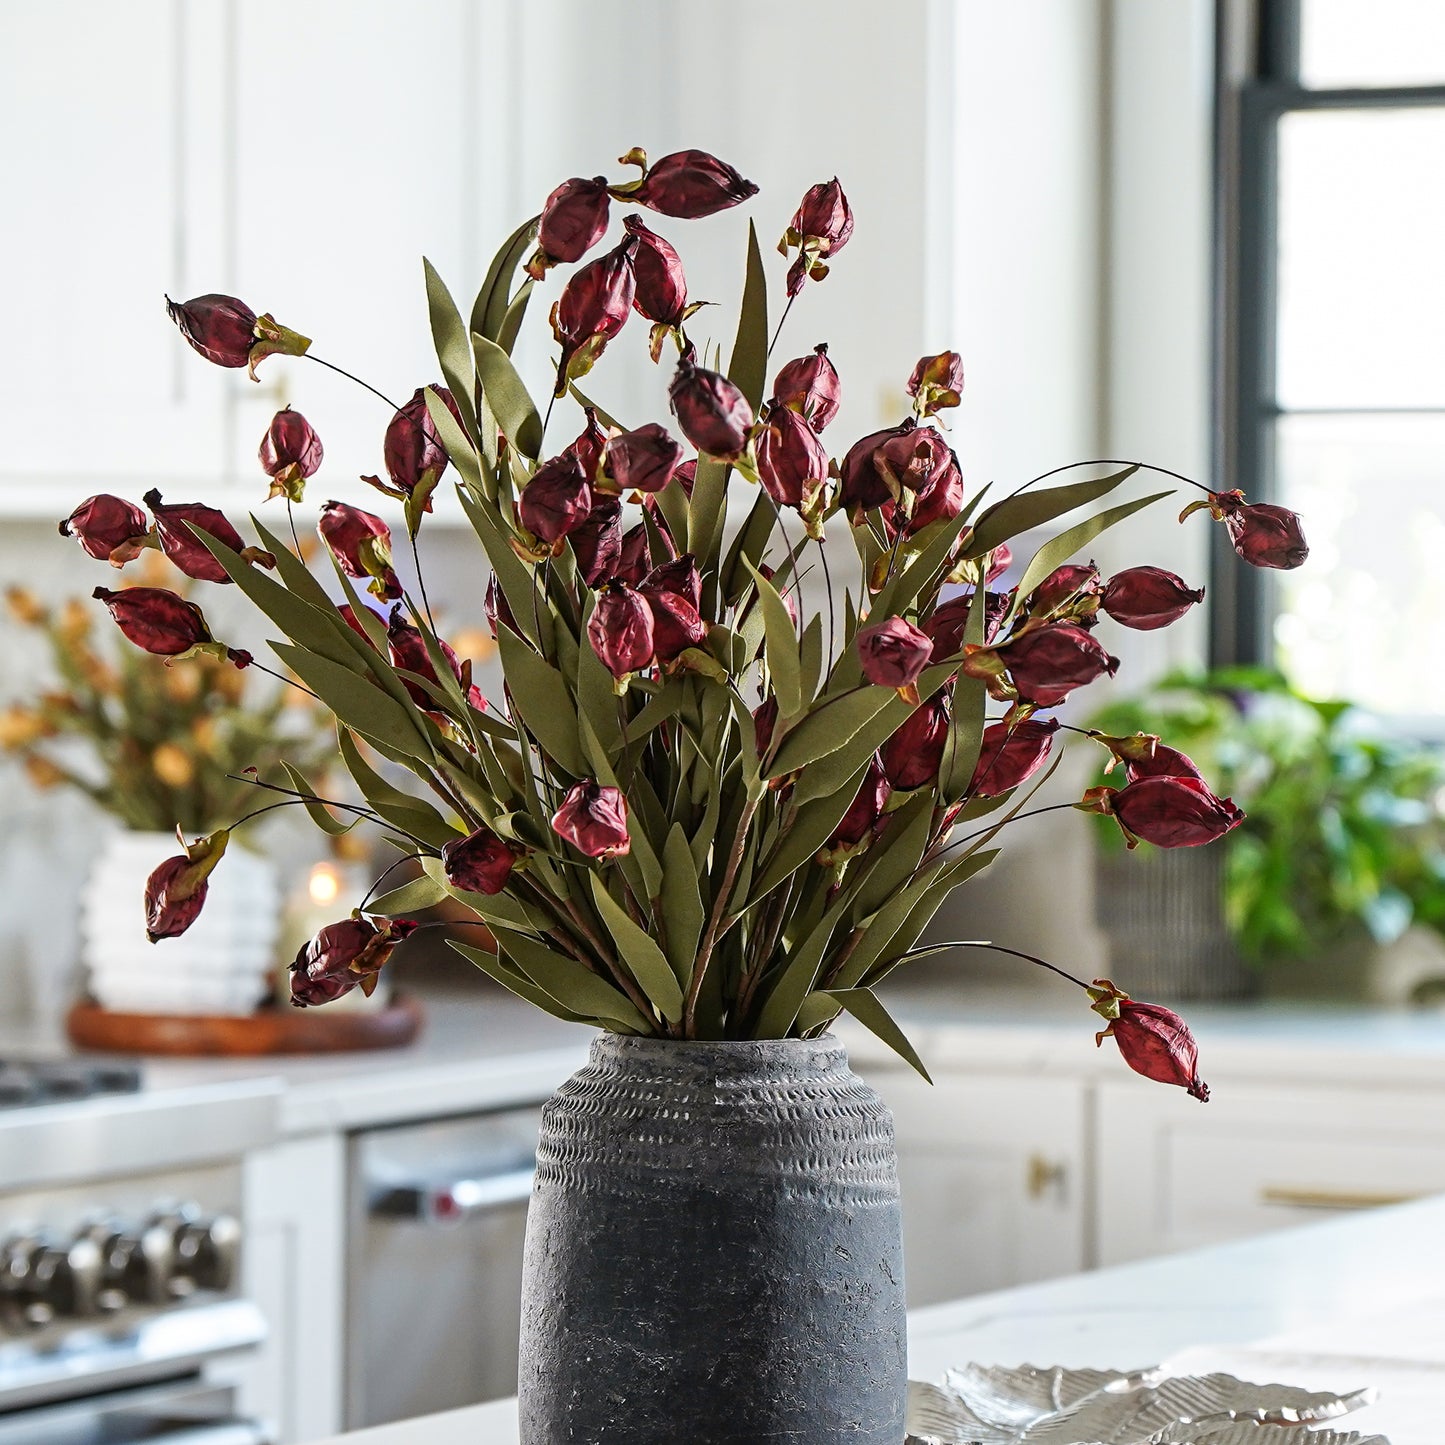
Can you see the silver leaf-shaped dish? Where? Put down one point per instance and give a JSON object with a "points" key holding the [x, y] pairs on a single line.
{"points": [[992, 1405]]}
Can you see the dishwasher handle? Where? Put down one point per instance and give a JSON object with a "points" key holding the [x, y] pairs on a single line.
{"points": [[452, 1201]]}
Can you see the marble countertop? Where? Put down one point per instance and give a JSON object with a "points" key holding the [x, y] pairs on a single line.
{"points": [[1338, 1305]]}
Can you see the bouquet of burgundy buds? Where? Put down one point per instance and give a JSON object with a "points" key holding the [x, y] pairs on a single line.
{"points": [[693, 813]]}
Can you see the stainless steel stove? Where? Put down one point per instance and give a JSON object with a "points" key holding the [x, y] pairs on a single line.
{"points": [[121, 1230]]}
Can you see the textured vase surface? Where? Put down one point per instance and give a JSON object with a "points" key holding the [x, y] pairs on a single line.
{"points": [[714, 1252]]}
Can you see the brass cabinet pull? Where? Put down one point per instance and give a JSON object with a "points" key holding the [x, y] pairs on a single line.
{"points": [[1045, 1175], [1284, 1197]]}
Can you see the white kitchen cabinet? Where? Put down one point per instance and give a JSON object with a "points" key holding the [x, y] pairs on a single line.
{"points": [[993, 1172], [1258, 1157]]}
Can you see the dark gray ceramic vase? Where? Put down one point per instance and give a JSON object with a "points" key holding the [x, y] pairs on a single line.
{"points": [[714, 1252]]}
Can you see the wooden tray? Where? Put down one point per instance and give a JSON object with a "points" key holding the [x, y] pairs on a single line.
{"points": [[271, 1031]]}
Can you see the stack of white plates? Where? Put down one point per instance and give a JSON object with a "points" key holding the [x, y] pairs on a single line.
{"points": [[222, 964]]}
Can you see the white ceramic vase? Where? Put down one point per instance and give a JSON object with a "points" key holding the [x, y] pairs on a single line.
{"points": [[222, 964]]}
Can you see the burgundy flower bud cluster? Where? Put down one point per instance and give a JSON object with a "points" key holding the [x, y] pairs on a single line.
{"points": [[792, 462], [1153, 1040], [574, 220], [893, 653], [408, 649], [1069, 593], [290, 453], [1262, 533], [479, 863], [864, 819], [1043, 664], [820, 228], [1012, 752], [173, 525], [110, 529], [156, 620], [887, 465], [912, 756], [228, 333], [642, 460], [687, 184], [810, 387], [556, 500], [936, 383], [947, 623], [345, 955], [176, 890], [713, 413], [361, 544], [656, 621], [412, 451], [591, 310], [593, 819]]}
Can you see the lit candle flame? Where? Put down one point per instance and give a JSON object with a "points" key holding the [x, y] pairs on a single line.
{"points": [[324, 884]]}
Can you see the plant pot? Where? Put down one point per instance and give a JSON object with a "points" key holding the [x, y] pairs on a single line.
{"points": [[222, 963], [1163, 918], [714, 1251]]}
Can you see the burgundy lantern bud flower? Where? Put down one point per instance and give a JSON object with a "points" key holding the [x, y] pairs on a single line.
{"points": [[792, 463], [591, 310], [228, 333], [676, 623], [1170, 812], [186, 550], [644, 459], [912, 756], [1263, 534], [156, 620], [412, 451], [361, 544], [408, 650], [947, 624], [1160, 761], [1073, 589], [686, 476], [176, 890], [885, 464], [1047, 663], [496, 607], [940, 498], [765, 723], [1011, 754], [621, 632], [593, 819], [345, 955], [349, 617], [555, 501], [687, 184], [820, 227], [810, 387], [1147, 598], [596, 541], [713, 413], [479, 863], [661, 285], [936, 383], [110, 529], [1153, 1040], [574, 220], [894, 653], [290, 453], [862, 820], [681, 576], [634, 561], [589, 446]]}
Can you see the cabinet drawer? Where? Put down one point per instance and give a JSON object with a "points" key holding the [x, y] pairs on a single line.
{"points": [[1173, 1176]]}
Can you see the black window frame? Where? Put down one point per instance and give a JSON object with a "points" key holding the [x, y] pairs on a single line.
{"points": [[1249, 109]]}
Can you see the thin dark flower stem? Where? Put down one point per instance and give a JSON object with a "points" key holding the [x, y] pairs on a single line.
{"points": [[828, 585], [892, 557], [1114, 462], [1003, 823], [547, 419], [369, 814], [291, 518], [778, 331], [421, 582], [385, 874], [256, 812], [281, 677], [341, 371], [1030, 958]]}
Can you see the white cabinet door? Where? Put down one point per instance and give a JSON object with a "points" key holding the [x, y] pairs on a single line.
{"points": [[992, 1171], [1172, 1175]]}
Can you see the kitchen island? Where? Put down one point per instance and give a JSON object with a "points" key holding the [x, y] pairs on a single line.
{"points": [[1339, 1305]]}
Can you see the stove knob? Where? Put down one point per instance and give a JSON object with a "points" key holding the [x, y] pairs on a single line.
{"points": [[136, 1266], [206, 1252], [20, 1308], [67, 1278]]}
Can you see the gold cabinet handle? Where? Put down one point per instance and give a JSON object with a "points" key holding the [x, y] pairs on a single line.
{"points": [[1284, 1197], [1044, 1176]]}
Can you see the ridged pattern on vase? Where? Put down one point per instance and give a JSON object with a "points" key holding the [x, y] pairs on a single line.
{"points": [[714, 1252]]}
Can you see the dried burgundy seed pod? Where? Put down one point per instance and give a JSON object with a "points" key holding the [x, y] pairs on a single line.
{"points": [[221, 328], [884, 464], [687, 184], [686, 476], [634, 561], [290, 453], [596, 541], [343, 956], [1173, 812], [574, 220], [661, 294], [186, 550], [593, 819], [676, 625], [621, 630], [1065, 585], [412, 450], [1153, 1040], [1266, 535], [1049, 662], [156, 620], [589, 446], [644, 459], [408, 650], [176, 890], [556, 500], [104, 525], [591, 310], [1146, 598], [1011, 754], [361, 544], [911, 757], [765, 723], [1160, 762], [820, 228], [479, 863], [940, 498], [863, 818], [946, 625], [792, 464], [680, 575], [810, 387], [894, 653], [936, 383], [713, 413]]}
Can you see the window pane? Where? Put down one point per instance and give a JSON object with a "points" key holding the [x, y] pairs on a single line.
{"points": [[1361, 284], [1361, 618], [1372, 42]]}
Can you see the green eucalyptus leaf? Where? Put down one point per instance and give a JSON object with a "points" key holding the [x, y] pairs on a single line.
{"points": [[540, 694], [747, 369], [414, 896], [490, 308], [706, 511], [512, 321], [810, 654], [1024, 511], [359, 702], [639, 954], [508, 398], [513, 979], [449, 335], [828, 726], [865, 1007], [317, 811], [812, 826], [682, 905], [784, 663]]}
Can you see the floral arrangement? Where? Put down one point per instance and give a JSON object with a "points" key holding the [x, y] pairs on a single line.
{"points": [[156, 747], [694, 812]]}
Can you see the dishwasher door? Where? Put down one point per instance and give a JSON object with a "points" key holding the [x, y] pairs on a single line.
{"points": [[437, 1214]]}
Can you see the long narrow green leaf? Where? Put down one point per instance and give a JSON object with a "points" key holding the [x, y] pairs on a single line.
{"points": [[706, 511], [512, 321], [358, 702], [319, 814], [449, 336], [748, 367], [490, 308], [402, 810], [784, 663], [828, 727], [894, 858], [414, 896], [508, 397], [795, 981], [811, 828], [1026, 510], [573, 986], [517, 582], [682, 906], [604, 417], [640, 954], [969, 715], [455, 442], [540, 693], [865, 1007], [513, 979]]}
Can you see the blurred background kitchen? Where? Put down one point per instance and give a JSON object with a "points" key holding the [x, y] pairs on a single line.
{"points": [[1198, 234]]}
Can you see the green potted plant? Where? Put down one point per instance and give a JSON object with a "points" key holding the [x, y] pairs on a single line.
{"points": [[1342, 847], [695, 819]]}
